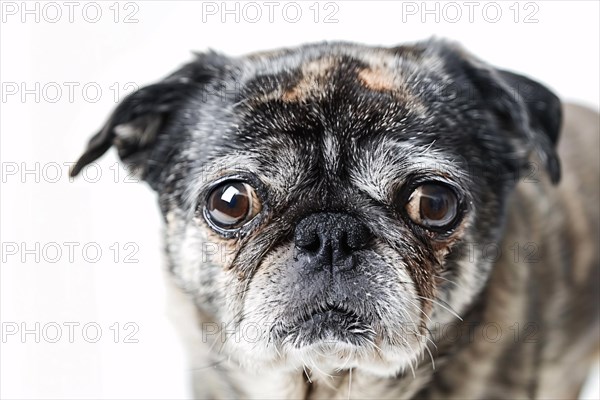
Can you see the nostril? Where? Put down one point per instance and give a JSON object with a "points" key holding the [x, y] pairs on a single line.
{"points": [[311, 246], [307, 239]]}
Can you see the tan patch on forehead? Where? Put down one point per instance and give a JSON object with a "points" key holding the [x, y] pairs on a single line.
{"points": [[380, 75], [314, 78], [378, 79]]}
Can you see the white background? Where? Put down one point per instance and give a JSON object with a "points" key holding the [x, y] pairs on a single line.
{"points": [[561, 50]]}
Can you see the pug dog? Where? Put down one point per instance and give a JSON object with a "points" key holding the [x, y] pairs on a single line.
{"points": [[346, 221]]}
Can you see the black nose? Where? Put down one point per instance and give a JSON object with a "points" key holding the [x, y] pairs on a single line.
{"points": [[328, 240]]}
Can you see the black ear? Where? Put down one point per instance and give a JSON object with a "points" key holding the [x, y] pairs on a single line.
{"points": [[135, 126], [525, 108], [544, 118]]}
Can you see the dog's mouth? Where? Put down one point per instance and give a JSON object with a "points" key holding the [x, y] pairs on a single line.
{"points": [[329, 323]]}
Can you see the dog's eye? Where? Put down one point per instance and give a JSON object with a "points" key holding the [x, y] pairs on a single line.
{"points": [[232, 204], [432, 205]]}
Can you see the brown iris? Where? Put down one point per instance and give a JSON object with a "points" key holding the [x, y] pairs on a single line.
{"points": [[432, 205], [232, 204]]}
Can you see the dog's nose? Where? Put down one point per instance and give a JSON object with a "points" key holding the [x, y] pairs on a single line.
{"points": [[329, 240]]}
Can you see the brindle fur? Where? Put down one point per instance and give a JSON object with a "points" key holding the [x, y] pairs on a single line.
{"points": [[345, 128]]}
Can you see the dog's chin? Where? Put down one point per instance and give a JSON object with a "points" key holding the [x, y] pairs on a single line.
{"points": [[335, 325], [334, 355], [325, 354], [327, 340]]}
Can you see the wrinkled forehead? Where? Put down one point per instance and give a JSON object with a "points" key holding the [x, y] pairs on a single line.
{"points": [[337, 113], [338, 92], [326, 117], [339, 74], [324, 94]]}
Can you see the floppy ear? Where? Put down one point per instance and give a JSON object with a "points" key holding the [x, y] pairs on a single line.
{"points": [[544, 112], [135, 124], [525, 108], [139, 121]]}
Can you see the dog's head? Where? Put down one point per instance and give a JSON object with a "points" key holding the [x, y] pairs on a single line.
{"points": [[322, 202]]}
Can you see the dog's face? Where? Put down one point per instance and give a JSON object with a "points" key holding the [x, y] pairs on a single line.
{"points": [[328, 205]]}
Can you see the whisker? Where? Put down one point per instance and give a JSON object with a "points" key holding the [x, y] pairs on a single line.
{"points": [[450, 281], [420, 309], [447, 308]]}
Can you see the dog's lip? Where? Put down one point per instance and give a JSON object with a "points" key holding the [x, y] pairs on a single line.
{"points": [[328, 323], [331, 310], [326, 314]]}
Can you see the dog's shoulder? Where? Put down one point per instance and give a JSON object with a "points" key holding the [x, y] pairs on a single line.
{"points": [[550, 265]]}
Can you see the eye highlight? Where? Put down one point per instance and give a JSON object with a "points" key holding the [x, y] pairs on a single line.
{"points": [[231, 205], [432, 205]]}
